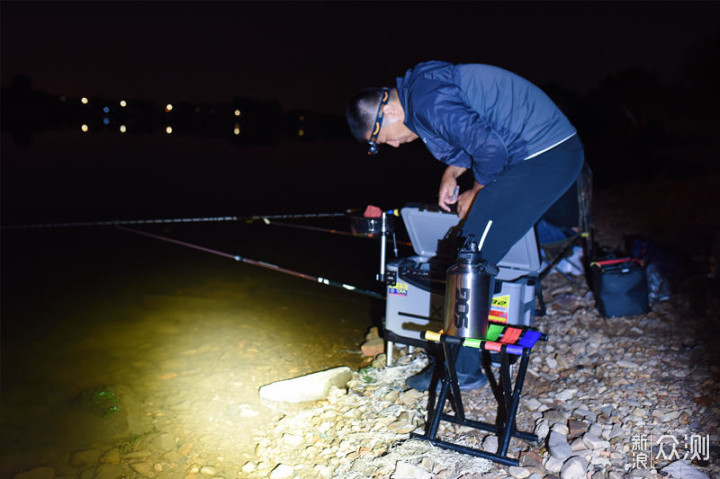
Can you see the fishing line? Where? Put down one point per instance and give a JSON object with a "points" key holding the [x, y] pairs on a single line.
{"points": [[337, 232]]}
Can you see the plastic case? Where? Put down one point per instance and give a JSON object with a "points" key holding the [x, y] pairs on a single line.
{"points": [[416, 285]]}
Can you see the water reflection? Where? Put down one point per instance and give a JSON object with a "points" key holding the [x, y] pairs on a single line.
{"points": [[27, 112]]}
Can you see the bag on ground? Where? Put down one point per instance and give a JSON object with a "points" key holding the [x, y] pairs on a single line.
{"points": [[620, 287]]}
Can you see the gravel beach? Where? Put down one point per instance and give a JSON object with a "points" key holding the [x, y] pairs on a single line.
{"points": [[609, 398]]}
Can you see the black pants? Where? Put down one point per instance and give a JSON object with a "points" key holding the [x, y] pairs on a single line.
{"points": [[515, 201], [520, 195]]}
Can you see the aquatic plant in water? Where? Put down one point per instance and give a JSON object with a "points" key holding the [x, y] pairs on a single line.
{"points": [[100, 401]]}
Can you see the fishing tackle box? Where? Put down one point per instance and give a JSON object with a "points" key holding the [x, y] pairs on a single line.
{"points": [[416, 284]]}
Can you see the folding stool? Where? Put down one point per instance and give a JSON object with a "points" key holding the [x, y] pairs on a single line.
{"points": [[504, 340]]}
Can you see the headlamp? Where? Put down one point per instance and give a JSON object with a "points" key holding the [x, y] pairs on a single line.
{"points": [[372, 143]]}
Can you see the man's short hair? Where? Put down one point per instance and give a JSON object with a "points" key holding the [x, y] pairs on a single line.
{"points": [[361, 111]]}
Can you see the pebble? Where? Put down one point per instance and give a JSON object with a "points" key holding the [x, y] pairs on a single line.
{"points": [[553, 465], [627, 364], [596, 429], [164, 442], [558, 446], [542, 429], [519, 472], [566, 395], [373, 347], [594, 442], [554, 416], [683, 470], [292, 439], [282, 471], [574, 468], [531, 459], [404, 470], [576, 427], [585, 414], [144, 469], [208, 471], [111, 456], [532, 404], [490, 444], [111, 471], [616, 431]]}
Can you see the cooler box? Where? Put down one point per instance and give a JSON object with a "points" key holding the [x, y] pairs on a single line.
{"points": [[416, 285]]}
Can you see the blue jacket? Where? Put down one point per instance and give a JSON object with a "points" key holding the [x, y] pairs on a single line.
{"points": [[479, 117]]}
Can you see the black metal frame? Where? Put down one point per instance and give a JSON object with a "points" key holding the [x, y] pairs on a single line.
{"points": [[506, 394]]}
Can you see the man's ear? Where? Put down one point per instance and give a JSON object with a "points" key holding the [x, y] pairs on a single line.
{"points": [[393, 111]]}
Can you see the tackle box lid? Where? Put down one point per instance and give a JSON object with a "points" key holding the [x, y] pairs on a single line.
{"points": [[428, 228]]}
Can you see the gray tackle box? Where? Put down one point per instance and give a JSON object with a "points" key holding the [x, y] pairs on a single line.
{"points": [[416, 284]]}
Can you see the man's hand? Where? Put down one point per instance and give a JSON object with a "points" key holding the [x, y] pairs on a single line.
{"points": [[448, 194], [466, 199], [448, 187]]}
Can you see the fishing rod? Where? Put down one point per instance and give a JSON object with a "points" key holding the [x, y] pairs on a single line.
{"points": [[336, 232], [261, 264], [120, 222], [265, 219]]}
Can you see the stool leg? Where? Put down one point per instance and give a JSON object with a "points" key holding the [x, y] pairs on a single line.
{"points": [[451, 353], [515, 403], [437, 411], [389, 353], [504, 420]]}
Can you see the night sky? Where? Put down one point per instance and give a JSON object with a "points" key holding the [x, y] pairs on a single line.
{"points": [[303, 56], [314, 55]]}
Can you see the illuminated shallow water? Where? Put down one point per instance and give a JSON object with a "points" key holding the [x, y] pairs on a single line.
{"points": [[179, 341]]}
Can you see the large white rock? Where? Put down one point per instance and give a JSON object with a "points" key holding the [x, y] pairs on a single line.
{"points": [[310, 387]]}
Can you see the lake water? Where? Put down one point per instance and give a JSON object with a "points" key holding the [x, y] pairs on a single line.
{"points": [[108, 337]]}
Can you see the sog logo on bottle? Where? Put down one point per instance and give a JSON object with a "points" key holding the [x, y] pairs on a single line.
{"points": [[462, 297]]}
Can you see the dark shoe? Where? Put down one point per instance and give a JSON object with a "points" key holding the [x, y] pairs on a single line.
{"points": [[467, 382], [421, 380], [470, 382]]}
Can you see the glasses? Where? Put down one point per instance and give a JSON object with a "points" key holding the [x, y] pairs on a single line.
{"points": [[372, 143]]}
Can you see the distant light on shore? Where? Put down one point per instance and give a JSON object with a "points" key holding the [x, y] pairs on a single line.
{"points": [[84, 100], [84, 128], [168, 130]]}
